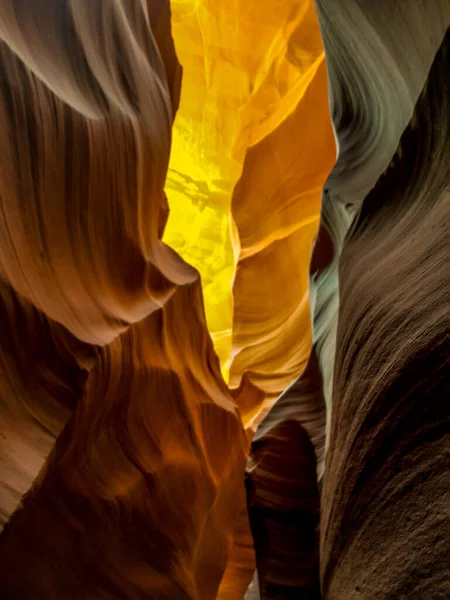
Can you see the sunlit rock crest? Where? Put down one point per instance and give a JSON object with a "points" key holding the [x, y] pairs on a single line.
{"points": [[252, 147]]}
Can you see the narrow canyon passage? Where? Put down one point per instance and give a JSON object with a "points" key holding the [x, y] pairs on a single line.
{"points": [[224, 300]]}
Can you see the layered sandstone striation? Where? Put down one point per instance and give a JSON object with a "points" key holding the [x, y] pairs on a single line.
{"points": [[104, 344], [164, 234], [385, 514], [379, 300]]}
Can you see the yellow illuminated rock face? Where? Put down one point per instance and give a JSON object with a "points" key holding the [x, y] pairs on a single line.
{"points": [[252, 146], [276, 208]]}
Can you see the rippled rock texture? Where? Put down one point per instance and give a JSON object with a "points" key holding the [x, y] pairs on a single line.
{"points": [[104, 345], [379, 288], [141, 347], [386, 479]]}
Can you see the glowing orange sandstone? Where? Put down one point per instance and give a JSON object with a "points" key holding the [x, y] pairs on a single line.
{"points": [[252, 146]]}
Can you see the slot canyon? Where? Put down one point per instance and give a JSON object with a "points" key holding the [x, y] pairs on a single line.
{"points": [[224, 300]]}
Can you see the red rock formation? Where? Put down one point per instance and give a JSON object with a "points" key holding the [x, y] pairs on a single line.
{"points": [[122, 450], [140, 493], [103, 325]]}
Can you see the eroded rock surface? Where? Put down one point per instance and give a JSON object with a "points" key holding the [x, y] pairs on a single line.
{"points": [[373, 89], [104, 343]]}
